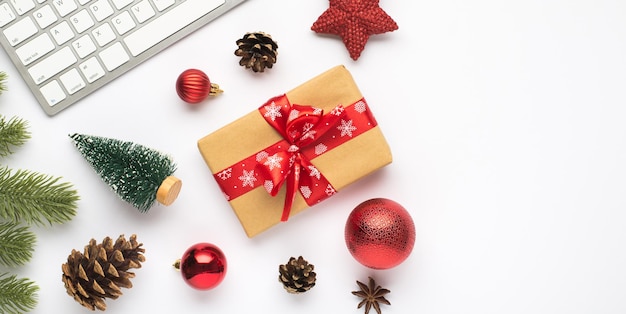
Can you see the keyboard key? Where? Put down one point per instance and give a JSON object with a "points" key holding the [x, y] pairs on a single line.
{"points": [[23, 6], [52, 65], [92, 70], [45, 16], [53, 93], [6, 14], [72, 81], [114, 56], [103, 34], [119, 4], [20, 31], [163, 4], [84, 46], [81, 21], [65, 7], [101, 9], [62, 33], [123, 23], [35, 49], [168, 23], [142, 11]]}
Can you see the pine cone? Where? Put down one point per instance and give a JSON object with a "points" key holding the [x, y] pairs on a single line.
{"points": [[257, 51], [102, 270], [297, 275]]}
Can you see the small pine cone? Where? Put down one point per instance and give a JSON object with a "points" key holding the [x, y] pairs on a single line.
{"points": [[297, 276], [257, 51], [102, 270]]}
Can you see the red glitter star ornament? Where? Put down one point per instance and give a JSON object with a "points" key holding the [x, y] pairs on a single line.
{"points": [[354, 21]]}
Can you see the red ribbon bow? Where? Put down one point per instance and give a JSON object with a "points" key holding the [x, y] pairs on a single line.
{"points": [[307, 133], [299, 126]]}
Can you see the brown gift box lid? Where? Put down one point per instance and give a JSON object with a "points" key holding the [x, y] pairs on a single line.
{"points": [[257, 210]]}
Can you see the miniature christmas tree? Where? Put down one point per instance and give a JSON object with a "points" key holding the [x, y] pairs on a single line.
{"points": [[138, 174]]}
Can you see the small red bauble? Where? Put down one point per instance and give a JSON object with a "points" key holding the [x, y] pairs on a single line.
{"points": [[380, 233], [203, 266], [193, 86]]}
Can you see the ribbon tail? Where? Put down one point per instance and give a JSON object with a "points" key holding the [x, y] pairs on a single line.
{"points": [[290, 195]]}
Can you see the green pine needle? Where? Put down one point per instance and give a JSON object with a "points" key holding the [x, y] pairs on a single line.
{"points": [[35, 198], [3, 77], [16, 244], [17, 295], [13, 132]]}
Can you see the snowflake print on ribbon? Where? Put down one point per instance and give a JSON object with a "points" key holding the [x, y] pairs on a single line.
{"points": [[346, 128], [225, 174], [273, 111], [320, 149], [293, 133], [306, 191], [313, 172], [293, 114], [273, 161], [360, 106], [261, 155], [247, 178], [268, 185], [330, 190], [308, 132], [338, 110]]}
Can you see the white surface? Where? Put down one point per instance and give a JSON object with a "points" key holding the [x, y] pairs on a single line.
{"points": [[505, 119]]}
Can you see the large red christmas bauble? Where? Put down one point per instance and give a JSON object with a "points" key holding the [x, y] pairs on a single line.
{"points": [[380, 233], [193, 86], [203, 266]]}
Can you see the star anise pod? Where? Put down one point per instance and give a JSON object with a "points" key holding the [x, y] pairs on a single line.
{"points": [[372, 296]]}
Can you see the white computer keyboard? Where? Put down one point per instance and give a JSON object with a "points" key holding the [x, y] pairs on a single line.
{"points": [[66, 49]]}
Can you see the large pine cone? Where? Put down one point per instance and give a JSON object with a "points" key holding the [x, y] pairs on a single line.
{"points": [[257, 51], [297, 275], [102, 270]]}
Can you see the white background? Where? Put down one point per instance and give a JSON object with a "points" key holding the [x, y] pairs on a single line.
{"points": [[505, 119]]}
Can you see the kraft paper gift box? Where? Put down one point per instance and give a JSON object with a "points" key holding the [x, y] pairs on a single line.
{"points": [[252, 159]]}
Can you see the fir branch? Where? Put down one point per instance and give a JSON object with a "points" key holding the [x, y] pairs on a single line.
{"points": [[3, 86], [17, 295], [17, 243], [35, 198], [13, 132]]}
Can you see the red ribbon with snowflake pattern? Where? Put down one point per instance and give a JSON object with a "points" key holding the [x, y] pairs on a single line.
{"points": [[307, 133]]}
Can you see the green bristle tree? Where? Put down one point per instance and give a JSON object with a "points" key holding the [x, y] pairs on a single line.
{"points": [[137, 174]]}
